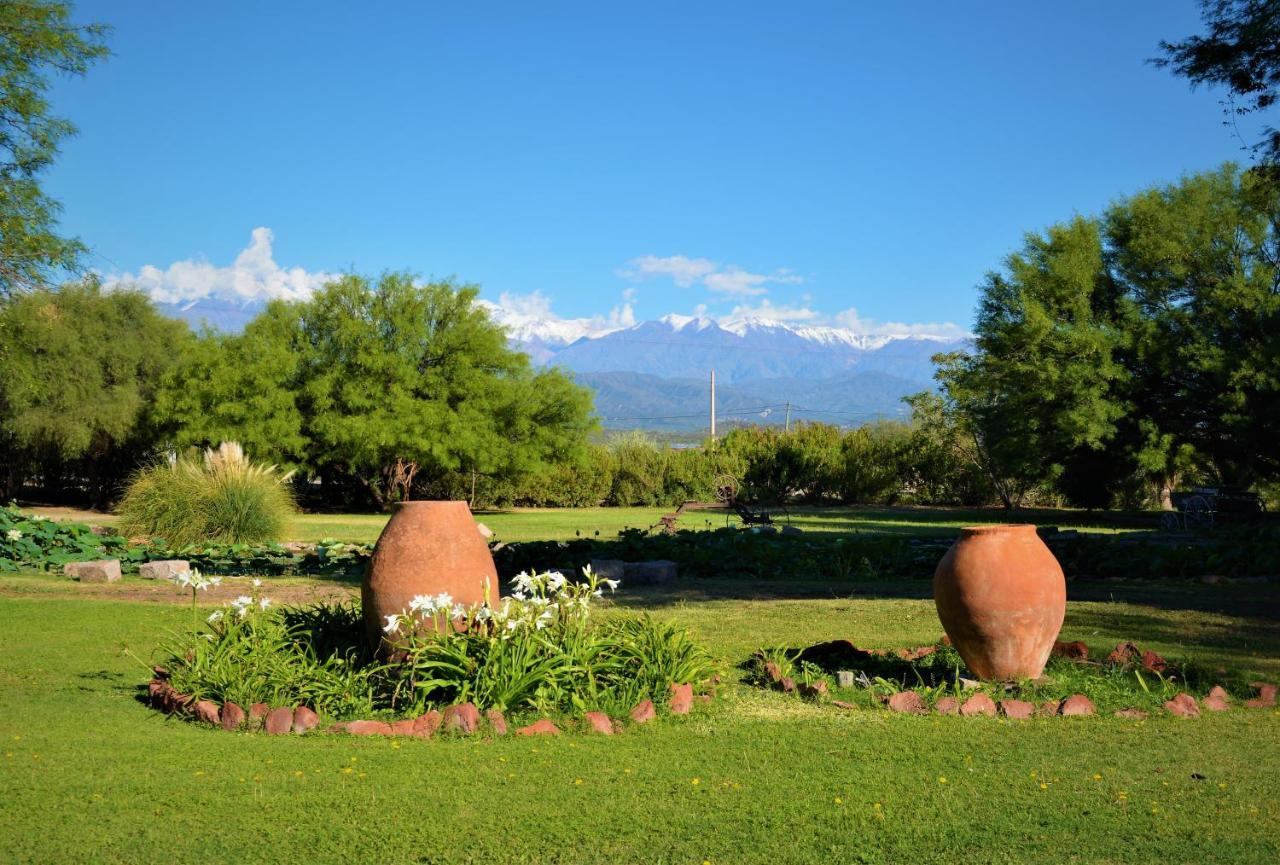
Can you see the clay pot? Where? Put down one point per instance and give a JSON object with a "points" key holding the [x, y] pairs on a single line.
{"points": [[426, 548], [1001, 597]]}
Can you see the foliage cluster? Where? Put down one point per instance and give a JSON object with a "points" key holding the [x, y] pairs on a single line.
{"points": [[539, 651], [33, 541], [219, 497]]}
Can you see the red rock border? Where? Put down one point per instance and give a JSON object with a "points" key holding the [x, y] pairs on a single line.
{"points": [[463, 718], [1125, 654]]}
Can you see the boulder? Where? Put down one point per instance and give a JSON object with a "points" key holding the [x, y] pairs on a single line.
{"points": [[907, 702], [165, 569], [772, 672], [599, 722], [206, 712], [1050, 707], [681, 699], [609, 569], [257, 712], [1074, 651], [1217, 700], [232, 716], [364, 728], [644, 712], [101, 571], [1124, 654], [1077, 705], [1153, 663], [497, 721], [1183, 705], [426, 724], [816, 691], [304, 719], [463, 718], [1266, 696], [279, 721], [1018, 709], [947, 706], [403, 727], [792, 530], [978, 704], [541, 727], [650, 573]]}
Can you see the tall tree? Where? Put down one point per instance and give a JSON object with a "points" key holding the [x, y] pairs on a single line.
{"points": [[37, 38]]}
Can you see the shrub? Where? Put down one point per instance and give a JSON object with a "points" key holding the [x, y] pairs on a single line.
{"points": [[27, 539], [220, 497]]}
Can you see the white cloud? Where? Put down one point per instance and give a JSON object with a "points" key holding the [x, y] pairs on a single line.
{"points": [[253, 276], [686, 272], [529, 316], [767, 313]]}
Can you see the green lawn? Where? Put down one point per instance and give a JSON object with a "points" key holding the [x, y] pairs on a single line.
{"points": [[525, 524], [89, 774]]}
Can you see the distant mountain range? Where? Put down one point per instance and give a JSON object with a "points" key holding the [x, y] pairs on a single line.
{"points": [[655, 374]]}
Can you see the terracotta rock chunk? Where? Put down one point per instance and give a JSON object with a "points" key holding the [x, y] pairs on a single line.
{"points": [[497, 721], [463, 718], [907, 702], [232, 716], [1075, 650], [787, 685], [206, 712], [365, 728], [1136, 714], [1123, 654], [1077, 705], [257, 712], [426, 724], [1266, 696], [816, 691], [1183, 705], [681, 699], [644, 712], [599, 723], [304, 719], [1017, 709], [279, 721], [841, 704], [1153, 662], [978, 704], [772, 672], [947, 706], [1050, 707], [1217, 700], [403, 727], [540, 727]]}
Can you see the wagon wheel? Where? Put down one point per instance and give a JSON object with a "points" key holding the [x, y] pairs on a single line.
{"points": [[1170, 522], [726, 489], [1197, 512]]}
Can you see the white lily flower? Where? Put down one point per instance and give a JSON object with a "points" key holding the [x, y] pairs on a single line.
{"points": [[555, 581], [393, 625], [214, 617], [257, 583], [458, 612], [242, 601], [214, 581], [13, 534], [443, 601], [612, 584], [264, 603]]}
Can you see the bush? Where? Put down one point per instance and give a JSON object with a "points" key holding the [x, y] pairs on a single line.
{"points": [[537, 651], [221, 497], [27, 539]]}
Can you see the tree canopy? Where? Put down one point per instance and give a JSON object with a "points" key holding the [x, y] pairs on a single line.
{"points": [[37, 39]]}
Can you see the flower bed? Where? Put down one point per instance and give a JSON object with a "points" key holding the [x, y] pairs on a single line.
{"points": [[542, 652]]}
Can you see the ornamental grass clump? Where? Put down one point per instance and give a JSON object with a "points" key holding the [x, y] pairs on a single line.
{"points": [[220, 496], [541, 650]]}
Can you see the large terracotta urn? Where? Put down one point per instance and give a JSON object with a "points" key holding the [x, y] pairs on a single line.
{"points": [[1001, 596], [426, 548]]}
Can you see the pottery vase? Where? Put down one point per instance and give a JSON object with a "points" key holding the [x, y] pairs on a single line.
{"points": [[1001, 597], [426, 548]]}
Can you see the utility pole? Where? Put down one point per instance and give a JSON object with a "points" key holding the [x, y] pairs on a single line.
{"points": [[788, 429], [713, 405]]}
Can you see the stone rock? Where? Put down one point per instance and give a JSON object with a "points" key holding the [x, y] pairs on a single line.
{"points": [[1183, 705], [497, 721], [463, 718], [599, 723], [792, 530], [772, 672], [609, 569], [844, 678], [907, 702], [1135, 714], [541, 727], [1018, 709], [1050, 707], [787, 685], [426, 724], [1266, 696], [1217, 699], [968, 684], [1153, 662], [279, 721], [652, 573], [206, 712], [232, 716], [644, 712], [947, 706], [164, 569], [841, 704], [1074, 651], [485, 531], [681, 699], [402, 727], [816, 691], [917, 653], [978, 704], [1123, 654], [304, 719], [257, 712], [1076, 705], [365, 728], [101, 571]]}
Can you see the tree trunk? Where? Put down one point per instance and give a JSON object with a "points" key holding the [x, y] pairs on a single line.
{"points": [[398, 480], [1165, 485]]}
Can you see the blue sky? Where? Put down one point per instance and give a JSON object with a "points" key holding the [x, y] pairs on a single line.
{"points": [[806, 159]]}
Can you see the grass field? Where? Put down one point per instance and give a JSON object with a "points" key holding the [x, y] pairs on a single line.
{"points": [[89, 774], [527, 524]]}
